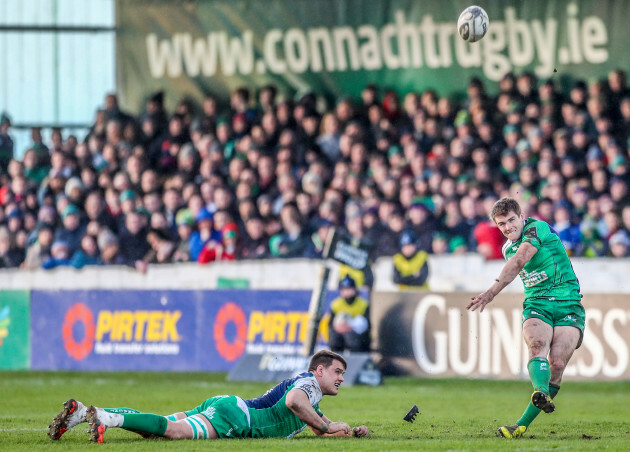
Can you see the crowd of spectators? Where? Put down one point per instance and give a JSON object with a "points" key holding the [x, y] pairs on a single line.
{"points": [[269, 176]]}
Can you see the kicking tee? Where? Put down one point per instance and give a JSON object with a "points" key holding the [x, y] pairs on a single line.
{"points": [[278, 420], [549, 273]]}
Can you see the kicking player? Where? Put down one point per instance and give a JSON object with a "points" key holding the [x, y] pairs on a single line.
{"points": [[553, 314], [283, 411]]}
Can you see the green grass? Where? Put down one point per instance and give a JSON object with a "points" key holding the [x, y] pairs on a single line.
{"points": [[456, 414]]}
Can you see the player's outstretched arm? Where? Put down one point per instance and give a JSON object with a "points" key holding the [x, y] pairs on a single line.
{"points": [[357, 432], [297, 401], [511, 269]]}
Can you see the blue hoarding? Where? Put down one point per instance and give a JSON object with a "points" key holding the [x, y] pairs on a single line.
{"points": [[164, 330]]}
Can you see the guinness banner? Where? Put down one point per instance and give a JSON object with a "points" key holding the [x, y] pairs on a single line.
{"points": [[427, 334]]}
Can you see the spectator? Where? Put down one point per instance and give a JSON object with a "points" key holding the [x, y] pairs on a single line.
{"points": [[185, 223], [204, 233], [489, 240], [349, 323], [411, 268], [255, 243], [619, 244], [88, 254], [109, 247], [72, 231], [9, 256], [224, 251], [59, 256], [162, 247], [133, 239], [39, 251], [6, 142], [315, 246], [568, 232], [440, 243]]}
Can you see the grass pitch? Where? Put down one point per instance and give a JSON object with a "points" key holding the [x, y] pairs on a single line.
{"points": [[455, 414]]}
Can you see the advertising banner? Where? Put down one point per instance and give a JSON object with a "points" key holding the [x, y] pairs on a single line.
{"points": [[334, 47], [14, 329], [164, 330], [428, 334], [113, 330]]}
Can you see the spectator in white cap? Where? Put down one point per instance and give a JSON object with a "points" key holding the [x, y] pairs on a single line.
{"points": [[619, 244]]}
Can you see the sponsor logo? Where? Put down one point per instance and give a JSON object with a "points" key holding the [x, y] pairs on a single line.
{"points": [[450, 341], [5, 321], [209, 413], [570, 318], [281, 331], [230, 313], [532, 312], [531, 233], [123, 332], [308, 389], [530, 279], [79, 316]]}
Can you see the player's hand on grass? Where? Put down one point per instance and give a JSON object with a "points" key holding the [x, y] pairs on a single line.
{"points": [[335, 427], [360, 431]]}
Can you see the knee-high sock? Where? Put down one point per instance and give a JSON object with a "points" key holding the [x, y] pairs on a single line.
{"points": [[146, 423], [539, 373], [531, 411]]}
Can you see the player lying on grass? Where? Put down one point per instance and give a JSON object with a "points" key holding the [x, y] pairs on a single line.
{"points": [[553, 314], [283, 411]]}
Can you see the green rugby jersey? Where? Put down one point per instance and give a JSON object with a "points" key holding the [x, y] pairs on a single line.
{"points": [[278, 420], [549, 273]]}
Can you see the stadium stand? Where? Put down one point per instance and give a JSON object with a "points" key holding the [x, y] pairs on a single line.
{"points": [[260, 179]]}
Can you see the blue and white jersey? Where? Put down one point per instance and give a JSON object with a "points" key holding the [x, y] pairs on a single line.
{"points": [[271, 397]]}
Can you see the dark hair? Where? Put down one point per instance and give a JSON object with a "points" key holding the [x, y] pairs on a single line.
{"points": [[325, 358], [504, 206]]}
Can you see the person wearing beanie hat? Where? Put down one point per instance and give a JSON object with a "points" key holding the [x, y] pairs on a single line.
{"points": [[349, 323], [72, 230], [411, 268], [109, 247], [59, 256], [185, 222], [74, 189], [204, 233]]}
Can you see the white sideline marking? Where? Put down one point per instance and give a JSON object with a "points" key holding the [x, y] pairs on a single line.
{"points": [[23, 429]]}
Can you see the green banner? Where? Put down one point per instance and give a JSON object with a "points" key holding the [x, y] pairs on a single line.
{"points": [[334, 47], [14, 329]]}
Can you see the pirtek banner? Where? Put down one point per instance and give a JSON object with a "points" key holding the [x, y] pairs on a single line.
{"points": [[428, 334], [333, 47], [164, 330]]}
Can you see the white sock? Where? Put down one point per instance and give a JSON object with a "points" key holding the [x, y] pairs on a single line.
{"points": [[110, 419], [78, 416]]}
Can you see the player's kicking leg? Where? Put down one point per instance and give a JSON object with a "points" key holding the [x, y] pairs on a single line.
{"points": [[192, 427], [538, 336], [73, 413], [565, 340]]}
